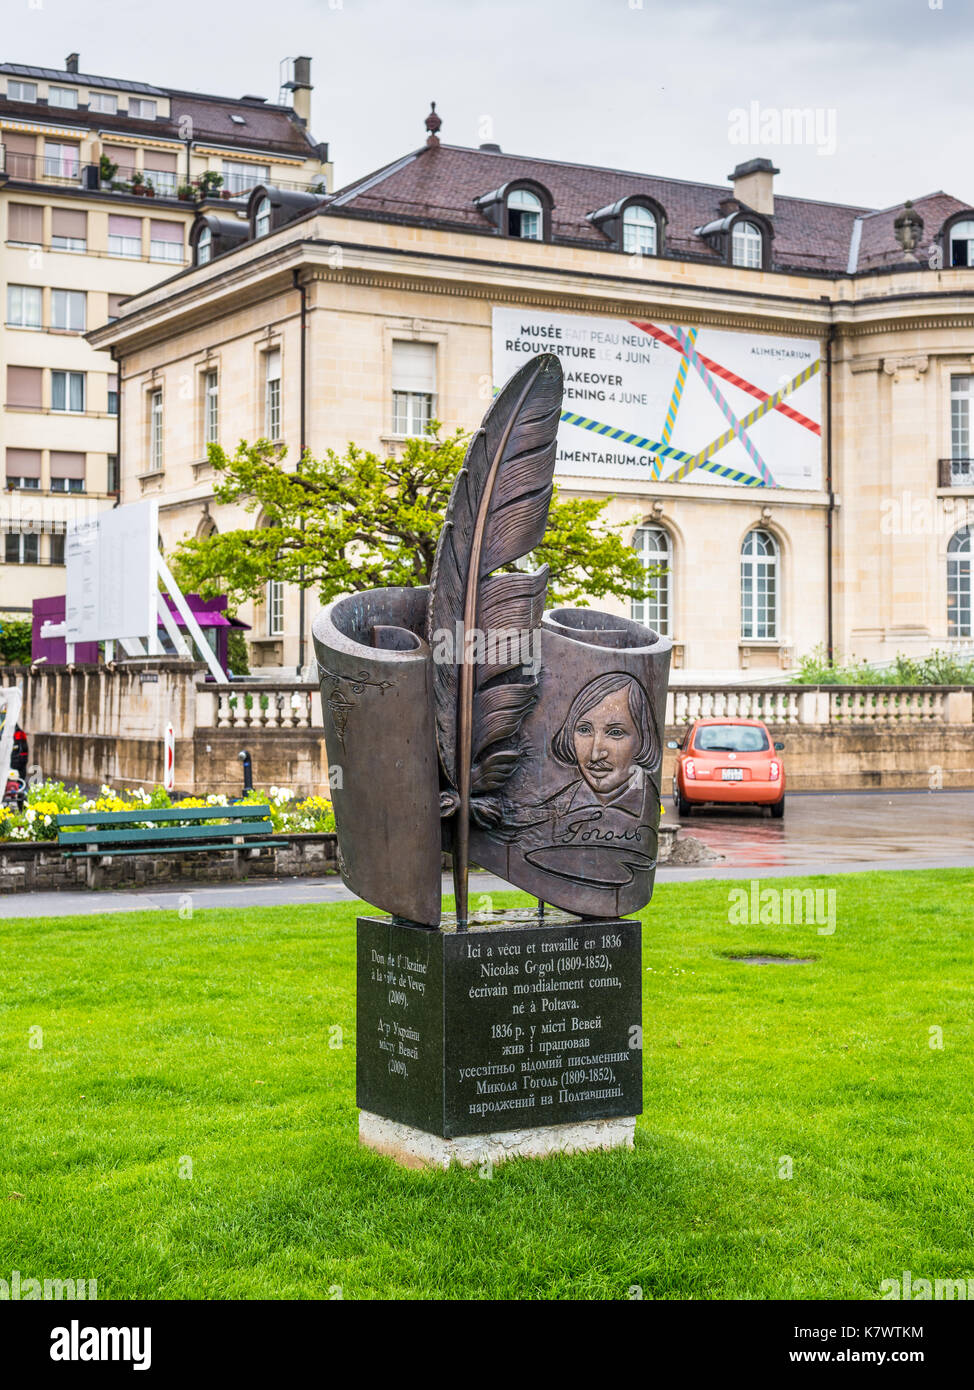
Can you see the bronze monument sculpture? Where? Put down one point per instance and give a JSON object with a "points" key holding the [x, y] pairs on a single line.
{"points": [[465, 718]]}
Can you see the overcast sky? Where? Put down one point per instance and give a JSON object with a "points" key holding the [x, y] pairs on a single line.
{"points": [[633, 84]]}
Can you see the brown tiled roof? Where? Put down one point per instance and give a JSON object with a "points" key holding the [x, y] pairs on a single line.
{"points": [[267, 127], [440, 184]]}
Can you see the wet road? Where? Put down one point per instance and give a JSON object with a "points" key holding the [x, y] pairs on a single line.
{"points": [[822, 832], [831, 831]]}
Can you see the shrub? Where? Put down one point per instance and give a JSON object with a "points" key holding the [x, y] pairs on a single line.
{"points": [[15, 641]]}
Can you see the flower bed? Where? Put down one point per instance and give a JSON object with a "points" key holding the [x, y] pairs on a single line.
{"points": [[47, 800]]}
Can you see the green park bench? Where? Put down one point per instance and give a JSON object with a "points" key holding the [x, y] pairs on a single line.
{"points": [[99, 836]]}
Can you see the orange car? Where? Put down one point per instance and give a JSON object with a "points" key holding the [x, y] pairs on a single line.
{"points": [[728, 760]]}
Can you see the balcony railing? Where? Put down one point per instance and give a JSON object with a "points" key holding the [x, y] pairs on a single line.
{"points": [[72, 173], [957, 472]]}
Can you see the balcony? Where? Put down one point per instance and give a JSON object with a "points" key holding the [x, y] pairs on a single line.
{"points": [[72, 173], [957, 472]]}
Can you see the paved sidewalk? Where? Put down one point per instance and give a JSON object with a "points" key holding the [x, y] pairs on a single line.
{"points": [[835, 832]]}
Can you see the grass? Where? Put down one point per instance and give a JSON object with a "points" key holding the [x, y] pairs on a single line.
{"points": [[212, 1038]]}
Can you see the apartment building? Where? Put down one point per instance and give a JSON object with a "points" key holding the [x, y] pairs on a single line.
{"points": [[100, 182], [774, 392]]}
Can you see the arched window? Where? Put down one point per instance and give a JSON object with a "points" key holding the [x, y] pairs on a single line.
{"points": [[747, 245], [639, 230], [759, 586], [525, 215], [959, 584], [652, 545], [262, 217], [204, 246], [962, 243]]}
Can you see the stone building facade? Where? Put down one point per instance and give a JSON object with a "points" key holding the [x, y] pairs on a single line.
{"points": [[830, 505]]}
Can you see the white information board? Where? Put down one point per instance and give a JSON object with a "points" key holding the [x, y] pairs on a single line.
{"points": [[659, 401], [112, 575]]}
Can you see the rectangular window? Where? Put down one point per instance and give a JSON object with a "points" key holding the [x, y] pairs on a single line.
{"points": [[22, 548], [61, 161], [155, 430], [113, 476], [21, 91], [67, 471], [239, 177], [124, 236], [413, 386], [68, 310], [113, 395], [68, 391], [23, 306], [211, 408], [166, 241], [272, 394], [24, 387], [24, 468], [57, 548], [275, 608], [25, 226], [69, 230], [66, 97], [104, 102], [141, 108], [960, 426], [163, 169]]}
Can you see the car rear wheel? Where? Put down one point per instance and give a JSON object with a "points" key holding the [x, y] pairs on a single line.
{"points": [[778, 808], [684, 807]]}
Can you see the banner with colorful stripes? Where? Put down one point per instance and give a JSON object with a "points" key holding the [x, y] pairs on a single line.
{"points": [[666, 402]]}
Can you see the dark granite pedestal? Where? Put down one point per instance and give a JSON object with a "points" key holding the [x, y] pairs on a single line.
{"points": [[518, 1036]]}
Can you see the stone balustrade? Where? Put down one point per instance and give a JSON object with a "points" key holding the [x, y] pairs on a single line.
{"points": [[258, 705], [780, 705]]}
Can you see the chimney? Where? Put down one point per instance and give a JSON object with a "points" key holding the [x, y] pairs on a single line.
{"points": [[754, 185], [71, 62], [301, 89]]}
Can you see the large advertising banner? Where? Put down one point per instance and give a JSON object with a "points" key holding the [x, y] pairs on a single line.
{"points": [[658, 402]]}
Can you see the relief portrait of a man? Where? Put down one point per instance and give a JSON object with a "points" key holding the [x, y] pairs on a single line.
{"points": [[609, 736]]}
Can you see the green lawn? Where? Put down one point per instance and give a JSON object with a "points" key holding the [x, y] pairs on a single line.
{"points": [[209, 1038]]}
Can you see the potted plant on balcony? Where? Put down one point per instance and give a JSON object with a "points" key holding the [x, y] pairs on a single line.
{"points": [[138, 179], [185, 192], [149, 188], [210, 183], [106, 169]]}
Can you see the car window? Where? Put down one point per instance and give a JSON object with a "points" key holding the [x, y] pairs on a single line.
{"points": [[731, 738]]}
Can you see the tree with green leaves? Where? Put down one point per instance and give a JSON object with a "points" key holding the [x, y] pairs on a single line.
{"points": [[358, 521]]}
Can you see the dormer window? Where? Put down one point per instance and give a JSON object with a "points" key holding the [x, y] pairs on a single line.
{"points": [[639, 232], [962, 242], [262, 218], [525, 215], [142, 109], [104, 102], [747, 245], [204, 246], [21, 91]]}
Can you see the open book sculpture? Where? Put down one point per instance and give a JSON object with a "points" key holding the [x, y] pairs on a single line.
{"points": [[465, 718]]}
